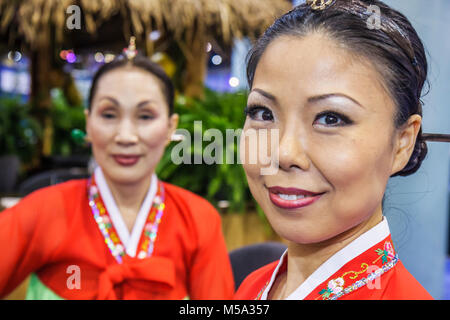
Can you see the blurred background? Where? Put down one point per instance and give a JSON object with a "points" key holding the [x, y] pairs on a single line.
{"points": [[50, 49]]}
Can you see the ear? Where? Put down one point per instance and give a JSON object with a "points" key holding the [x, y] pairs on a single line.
{"points": [[173, 124], [405, 142]]}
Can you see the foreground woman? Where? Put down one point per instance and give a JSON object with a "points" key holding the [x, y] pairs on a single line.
{"points": [[123, 233], [345, 100]]}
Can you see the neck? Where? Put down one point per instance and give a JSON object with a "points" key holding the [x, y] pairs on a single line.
{"points": [[304, 259], [129, 198]]}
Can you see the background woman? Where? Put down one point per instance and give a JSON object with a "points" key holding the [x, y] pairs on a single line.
{"points": [[344, 97], [122, 234]]}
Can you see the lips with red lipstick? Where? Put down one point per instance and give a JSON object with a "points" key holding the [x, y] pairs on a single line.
{"points": [[126, 160], [292, 198]]}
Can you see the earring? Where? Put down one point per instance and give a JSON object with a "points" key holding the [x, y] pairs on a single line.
{"points": [[79, 137], [177, 137]]}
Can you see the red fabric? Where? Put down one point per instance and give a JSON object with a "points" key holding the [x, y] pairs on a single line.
{"points": [[255, 282], [53, 228], [395, 284], [135, 269]]}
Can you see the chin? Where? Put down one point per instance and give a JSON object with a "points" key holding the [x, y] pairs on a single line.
{"points": [[302, 229], [123, 179], [294, 231], [126, 176], [302, 235]]}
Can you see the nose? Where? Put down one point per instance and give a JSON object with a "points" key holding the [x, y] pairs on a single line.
{"points": [[292, 153], [126, 133]]}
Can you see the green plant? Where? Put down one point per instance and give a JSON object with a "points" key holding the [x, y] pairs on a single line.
{"points": [[65, 118], [19, 131], [215, 181]]}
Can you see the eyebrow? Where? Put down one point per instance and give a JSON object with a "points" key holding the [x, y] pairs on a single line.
{"points": [[265, 94], [319, 98], [314, 99], [139, 105]]}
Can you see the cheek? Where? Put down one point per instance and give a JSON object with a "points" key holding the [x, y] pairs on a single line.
{"points": [[99, 135], [358, 167], [155, 135], [258, 159], [254, 151]]}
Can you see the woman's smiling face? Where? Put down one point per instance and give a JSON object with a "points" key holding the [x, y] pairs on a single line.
{"points": [[128, 124], [337, 138]]}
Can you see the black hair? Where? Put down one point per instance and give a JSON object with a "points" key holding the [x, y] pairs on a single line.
{"points": [[140, 62], [393, 46]]}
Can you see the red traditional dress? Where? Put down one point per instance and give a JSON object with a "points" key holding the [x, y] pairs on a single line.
{"points": [[72, 240], [366, 269]]}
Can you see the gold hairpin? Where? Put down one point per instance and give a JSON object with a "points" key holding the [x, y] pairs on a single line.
{"points": [[131, 51], [319, 4]]}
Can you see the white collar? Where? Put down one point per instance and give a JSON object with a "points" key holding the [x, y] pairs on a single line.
{"points": [[130, 242], [334, 263]]}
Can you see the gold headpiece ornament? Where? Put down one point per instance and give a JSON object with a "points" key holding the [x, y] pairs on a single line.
{"points": [[319, 4], [131, 51]]}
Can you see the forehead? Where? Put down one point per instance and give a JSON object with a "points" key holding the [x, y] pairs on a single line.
{"points": [[315, 64], [130, 83]]}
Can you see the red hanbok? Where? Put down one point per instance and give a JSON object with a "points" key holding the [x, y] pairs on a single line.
{"points": [[366, 269], [73, 241]]}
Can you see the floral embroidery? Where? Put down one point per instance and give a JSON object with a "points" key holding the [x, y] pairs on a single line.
{"points": [[385, 253], [364, 281], [335, 288]]}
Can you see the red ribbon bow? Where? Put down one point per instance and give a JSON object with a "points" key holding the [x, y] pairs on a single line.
{"points": [[153, 269]]}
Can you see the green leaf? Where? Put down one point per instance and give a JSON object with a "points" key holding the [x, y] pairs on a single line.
{"points": [[214, 186], [215, 182]]}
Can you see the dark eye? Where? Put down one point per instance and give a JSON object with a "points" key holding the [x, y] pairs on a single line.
{"points": [[332, 119], [108, 115], [146, 117], [259, 113]]}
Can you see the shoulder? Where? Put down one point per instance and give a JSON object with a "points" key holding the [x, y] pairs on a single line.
{"points": [[63, 187], [403, 286], [255, 282], [55, 195], [47, 211], [189, 202], [193, 215]]}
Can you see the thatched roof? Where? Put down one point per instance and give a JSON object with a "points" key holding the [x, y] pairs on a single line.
{"points": [[225, 19]]}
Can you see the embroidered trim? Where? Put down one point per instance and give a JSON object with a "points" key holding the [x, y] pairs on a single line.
{"points": [[110, 234], [364, 281], [335, 288], [385, 253]]}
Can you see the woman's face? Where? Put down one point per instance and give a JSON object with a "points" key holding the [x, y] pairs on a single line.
{"points": [[336, 146], [128, 125]]}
